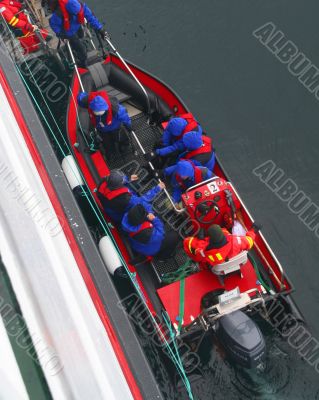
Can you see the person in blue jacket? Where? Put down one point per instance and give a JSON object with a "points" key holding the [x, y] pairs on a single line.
{"points": [[67, 20], [172, 139], [199, 150], [117, 197], [107, 115], [147, 234], [171, 144], [185, 174]]}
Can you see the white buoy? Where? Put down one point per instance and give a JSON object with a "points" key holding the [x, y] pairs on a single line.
{"points": [[109, 254], [71, 172]]}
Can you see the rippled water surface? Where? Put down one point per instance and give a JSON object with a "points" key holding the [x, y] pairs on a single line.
{"points": [[255, 110]]}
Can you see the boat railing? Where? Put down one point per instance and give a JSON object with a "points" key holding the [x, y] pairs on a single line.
{"points": [[201, 183], [280, 280], [211, 314], [176, 209], [132, 74], [75, 65]]}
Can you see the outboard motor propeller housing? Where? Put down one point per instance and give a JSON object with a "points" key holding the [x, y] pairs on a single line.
{"points": [[242, 339]]}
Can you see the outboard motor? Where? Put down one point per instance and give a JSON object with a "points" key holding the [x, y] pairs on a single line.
{"points": [[242, 339]]}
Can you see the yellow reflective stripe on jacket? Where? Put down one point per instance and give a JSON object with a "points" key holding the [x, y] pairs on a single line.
{"points": [[13, 21], [189, 245], [250, 241], [219, 256]]}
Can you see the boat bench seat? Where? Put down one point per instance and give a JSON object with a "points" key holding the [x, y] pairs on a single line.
{"points": [[93, 57], [112, 92], [101, 82]]}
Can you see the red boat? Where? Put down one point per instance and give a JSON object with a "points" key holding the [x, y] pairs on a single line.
{"points": [[192, 299], [183, 300]]}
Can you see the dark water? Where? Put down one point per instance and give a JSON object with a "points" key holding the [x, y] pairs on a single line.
{"points": [[256, 111]]}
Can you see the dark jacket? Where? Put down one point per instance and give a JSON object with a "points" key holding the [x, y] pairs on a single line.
{"points": [[121, 204], [146, 243], [73, 7], [186, 169], [172, 137], [120, 115]]}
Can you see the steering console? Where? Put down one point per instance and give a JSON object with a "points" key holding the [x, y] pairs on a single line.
{"points": [[203, 209]]}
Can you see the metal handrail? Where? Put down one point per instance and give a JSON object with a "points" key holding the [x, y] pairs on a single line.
{"points": [[202, 316], [133, 75], [88, 32], [281, 280], [201, 183], [75, 66], [260, 299], [177, 210]]}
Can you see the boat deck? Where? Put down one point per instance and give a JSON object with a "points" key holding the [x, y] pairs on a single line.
{"points": [[132, 160], [155, 276], [197, 285], [147, 135]]}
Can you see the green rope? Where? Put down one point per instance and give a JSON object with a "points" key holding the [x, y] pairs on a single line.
{"points": [[131, 275], [181, 304], [90, 146], [93, 148], [179, 274], [260, 279], [175, 357], [94, 208], [78, 118]]}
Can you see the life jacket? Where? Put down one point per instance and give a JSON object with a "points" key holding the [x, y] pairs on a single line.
{"points": [[197, 250], [218, 256], [66, 15], [109, 113], [14, 16], [143, 226], [205, 148], [114, 202], [112, 194], [234, 246], [198, 177], [192, 124]]}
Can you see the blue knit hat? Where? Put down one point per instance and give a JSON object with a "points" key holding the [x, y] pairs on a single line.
{"points": [[98, 104], [73, 6], [192, 140], [184, 168], [176, 126]]}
